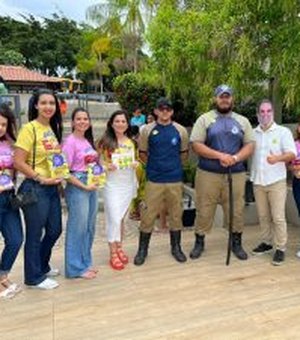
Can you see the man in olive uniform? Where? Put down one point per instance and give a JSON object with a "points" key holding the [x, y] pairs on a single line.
{"points": [[223, 140]]}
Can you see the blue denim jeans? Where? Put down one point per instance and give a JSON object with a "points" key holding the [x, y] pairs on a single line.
{"points": [[43, 228], [82, 212], [296, 192], [11, 229]]}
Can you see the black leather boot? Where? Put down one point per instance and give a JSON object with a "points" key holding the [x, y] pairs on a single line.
{"points": [[175, 237], [237, 247], [198, 247], [142, 253]]}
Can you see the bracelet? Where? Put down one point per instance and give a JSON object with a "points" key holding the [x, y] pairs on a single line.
{"points": [[36, 177]]}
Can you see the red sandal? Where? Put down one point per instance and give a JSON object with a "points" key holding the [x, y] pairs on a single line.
{"points": [[115, 262], [122, 256]]}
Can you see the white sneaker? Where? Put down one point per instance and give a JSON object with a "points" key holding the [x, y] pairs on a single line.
{"points": [[53, 272], [47, 284], [298, 254]]}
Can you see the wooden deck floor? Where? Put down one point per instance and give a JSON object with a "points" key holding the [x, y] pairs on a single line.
{"points": [[201, 299]]}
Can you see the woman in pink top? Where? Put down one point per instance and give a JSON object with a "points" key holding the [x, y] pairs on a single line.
{"points": [[10, 222], [295, 167], [81, 198]]}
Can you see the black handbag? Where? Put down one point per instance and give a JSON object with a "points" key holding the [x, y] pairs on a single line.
{"points": [[189, 213], [22, 199]]}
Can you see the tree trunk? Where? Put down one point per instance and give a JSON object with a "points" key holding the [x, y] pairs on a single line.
{"points": [[101, 83], [100, 73], [275, 95], [135, 60]]}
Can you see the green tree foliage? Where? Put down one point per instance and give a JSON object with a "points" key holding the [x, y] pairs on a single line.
{"points": [[95, 55], [45, 45], [133, 90], [252, 45], [10, 57], [61, 41], [124, 22]]}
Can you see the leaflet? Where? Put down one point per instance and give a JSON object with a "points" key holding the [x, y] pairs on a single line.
{"points": [[6, 182], [58, 165], [123, 160], [96, 175]]}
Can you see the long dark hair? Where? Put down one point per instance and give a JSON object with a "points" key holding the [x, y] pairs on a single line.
{"points": [[11, 130], [56, 119], [109, 140], [88, 135]]}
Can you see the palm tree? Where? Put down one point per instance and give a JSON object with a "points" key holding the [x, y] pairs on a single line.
{"points": [[123, 18]]}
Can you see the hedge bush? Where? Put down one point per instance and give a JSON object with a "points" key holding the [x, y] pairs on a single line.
{"points": [[132, 91]]}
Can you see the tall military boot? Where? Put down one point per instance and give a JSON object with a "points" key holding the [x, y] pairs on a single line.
{"points": [[142, 253], [237, 247], [175, 238], [198, 247]]}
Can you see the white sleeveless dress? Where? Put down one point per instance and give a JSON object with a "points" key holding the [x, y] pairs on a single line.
{"points": [[119, 190]]}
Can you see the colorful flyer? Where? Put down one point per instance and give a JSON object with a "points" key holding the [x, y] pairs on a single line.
{"points": [[58, 166], [96, 175], [6, 182], [123, 160]]}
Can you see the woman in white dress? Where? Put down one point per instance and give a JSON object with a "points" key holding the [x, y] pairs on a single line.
{"points": [[118, 152]]}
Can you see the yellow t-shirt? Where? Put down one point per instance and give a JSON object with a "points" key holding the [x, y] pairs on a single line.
{"points": [[45, 143]]}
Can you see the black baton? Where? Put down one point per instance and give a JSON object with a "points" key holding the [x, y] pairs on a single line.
{"points": [[230, 216]]}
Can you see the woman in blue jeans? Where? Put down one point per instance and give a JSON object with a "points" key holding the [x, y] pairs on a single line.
{"points": [[10, 222], [295, 167], [81, 198], [38, 140]]}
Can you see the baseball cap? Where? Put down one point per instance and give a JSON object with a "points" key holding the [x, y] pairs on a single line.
{"points": [[164, 102], [221, 89]]}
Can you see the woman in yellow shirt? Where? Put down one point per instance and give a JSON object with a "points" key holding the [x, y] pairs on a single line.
{"points": [[37, 140]]}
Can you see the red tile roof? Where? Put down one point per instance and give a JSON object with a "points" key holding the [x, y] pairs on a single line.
{"points": [[22, 74]]}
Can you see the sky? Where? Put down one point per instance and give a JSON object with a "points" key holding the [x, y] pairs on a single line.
{"points": [[73, 9]]}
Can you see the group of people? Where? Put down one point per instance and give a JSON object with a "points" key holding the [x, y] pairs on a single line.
{"points": [[40, 191], [222, 139]]}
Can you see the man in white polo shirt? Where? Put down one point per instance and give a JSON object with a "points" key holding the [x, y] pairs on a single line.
{"points": [[274, 148]]}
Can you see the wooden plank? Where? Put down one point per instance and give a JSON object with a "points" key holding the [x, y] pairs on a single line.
{"points": [[200, 299]]}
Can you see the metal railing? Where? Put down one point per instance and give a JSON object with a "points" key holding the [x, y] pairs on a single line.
{"points": [[84, 98]]}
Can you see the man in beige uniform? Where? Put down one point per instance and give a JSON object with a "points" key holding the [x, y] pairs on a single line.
{"points": [[222, 139], [163, 145]]}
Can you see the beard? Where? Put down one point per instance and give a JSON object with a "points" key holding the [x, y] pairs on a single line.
{"points": [[224, 110]]}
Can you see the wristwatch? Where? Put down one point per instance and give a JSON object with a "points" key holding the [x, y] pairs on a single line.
{"points": [[235, 158]]}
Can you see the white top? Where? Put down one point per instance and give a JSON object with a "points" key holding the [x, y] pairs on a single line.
{"points": [[276, 140]]}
